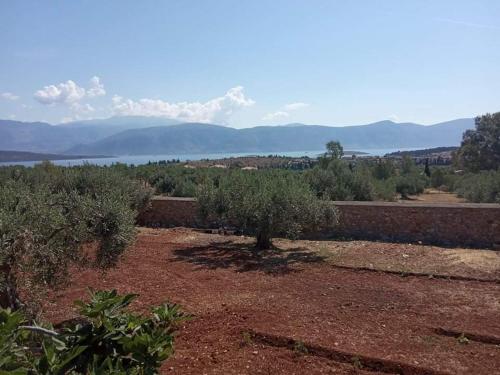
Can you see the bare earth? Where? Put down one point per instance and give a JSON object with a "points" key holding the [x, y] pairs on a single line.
{"points": [[436, 196], [312, 307]]}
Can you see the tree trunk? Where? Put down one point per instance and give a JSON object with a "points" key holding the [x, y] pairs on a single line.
{"points": [[8, 292], [263, 241]]}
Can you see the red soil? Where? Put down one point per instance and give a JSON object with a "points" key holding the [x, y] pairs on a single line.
{"points": [[293, 313]]}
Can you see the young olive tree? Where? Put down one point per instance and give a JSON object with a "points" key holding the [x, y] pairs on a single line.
{"points": [[265, 204]]}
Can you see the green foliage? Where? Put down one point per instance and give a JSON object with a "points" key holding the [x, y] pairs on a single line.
{"points": [[48, 215], [338, 182], [334, 150], [107, 339], [359, 180], [481, 187], [300, 348], [411, 184], [480, 149], [13, 359], [427, 169], [462, 339], [444, 178], [383, 169], [437, 178], [410, 181], [266, 204], [408, 166]]}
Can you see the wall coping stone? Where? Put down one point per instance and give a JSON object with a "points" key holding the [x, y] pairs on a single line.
{"points": [[373, 203]]}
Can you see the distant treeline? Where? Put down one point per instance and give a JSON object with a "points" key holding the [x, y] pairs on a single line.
{"points": [[9, 156], [422, 153]]}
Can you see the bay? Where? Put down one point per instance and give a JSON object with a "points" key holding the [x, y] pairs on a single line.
{"points": [[144, 159]]}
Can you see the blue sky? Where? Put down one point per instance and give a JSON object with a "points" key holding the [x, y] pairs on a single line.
{"points": [[247, 63]]}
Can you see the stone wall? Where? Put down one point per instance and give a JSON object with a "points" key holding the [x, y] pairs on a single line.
{"points": [[171, 212], [465, 224]]}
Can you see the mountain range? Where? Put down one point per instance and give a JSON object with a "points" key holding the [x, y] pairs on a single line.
{"points": [[146, 135]]}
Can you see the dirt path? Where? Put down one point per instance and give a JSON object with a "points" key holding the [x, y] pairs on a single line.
{"points": [[293, 313]]}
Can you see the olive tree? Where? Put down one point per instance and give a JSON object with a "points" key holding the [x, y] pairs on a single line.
{"points": [[480, 148], [265, 204], [52, 217], [334, 150]]}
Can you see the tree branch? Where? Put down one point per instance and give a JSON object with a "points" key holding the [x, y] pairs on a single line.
{"points": [[41, 330]]}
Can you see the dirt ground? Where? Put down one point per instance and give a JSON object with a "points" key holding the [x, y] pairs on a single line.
{"points": [[310, 307], [436, 196]]}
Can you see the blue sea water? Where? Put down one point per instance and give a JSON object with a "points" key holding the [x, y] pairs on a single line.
{"points": [[144, 159]]}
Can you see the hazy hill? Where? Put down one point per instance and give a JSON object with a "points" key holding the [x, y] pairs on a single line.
{"points": [[206, 138], [36, 137], [43, 137], [150, 135], [123, 122]]}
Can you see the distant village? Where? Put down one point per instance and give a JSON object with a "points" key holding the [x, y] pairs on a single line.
{"points": [[432, 156]]}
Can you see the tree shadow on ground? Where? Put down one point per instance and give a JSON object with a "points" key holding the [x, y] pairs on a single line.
{"points": [[245, 258]]}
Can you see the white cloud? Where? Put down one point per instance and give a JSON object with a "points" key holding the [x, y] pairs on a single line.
{"points": [[275, 116], [393, 118], [69, 92], [66, 92], [217, 110], [9, 96], [285, 111], [82, 108], [96, 88], [295, 106]]}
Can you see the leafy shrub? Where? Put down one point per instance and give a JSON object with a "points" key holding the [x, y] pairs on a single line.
{"points": [[106, 339], [481, 187], [384, 189], [337, 181], [437, 178], [410, 184], [410, 180]]}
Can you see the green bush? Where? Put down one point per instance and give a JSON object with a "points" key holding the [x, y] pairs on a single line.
{"points": [[410, 184], [437, 178], [105, 340], [337, 181], [481, 187], [362, 181]]}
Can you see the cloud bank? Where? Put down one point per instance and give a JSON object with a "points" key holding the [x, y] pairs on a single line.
{"points": [[217, 110], [69, 92]]}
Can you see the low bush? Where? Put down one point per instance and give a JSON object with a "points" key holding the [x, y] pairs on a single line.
{"points": [[481, 187], [105, 340], [410, 184]]}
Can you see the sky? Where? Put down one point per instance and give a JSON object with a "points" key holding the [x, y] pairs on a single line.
{"points": [[250, 63]]}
